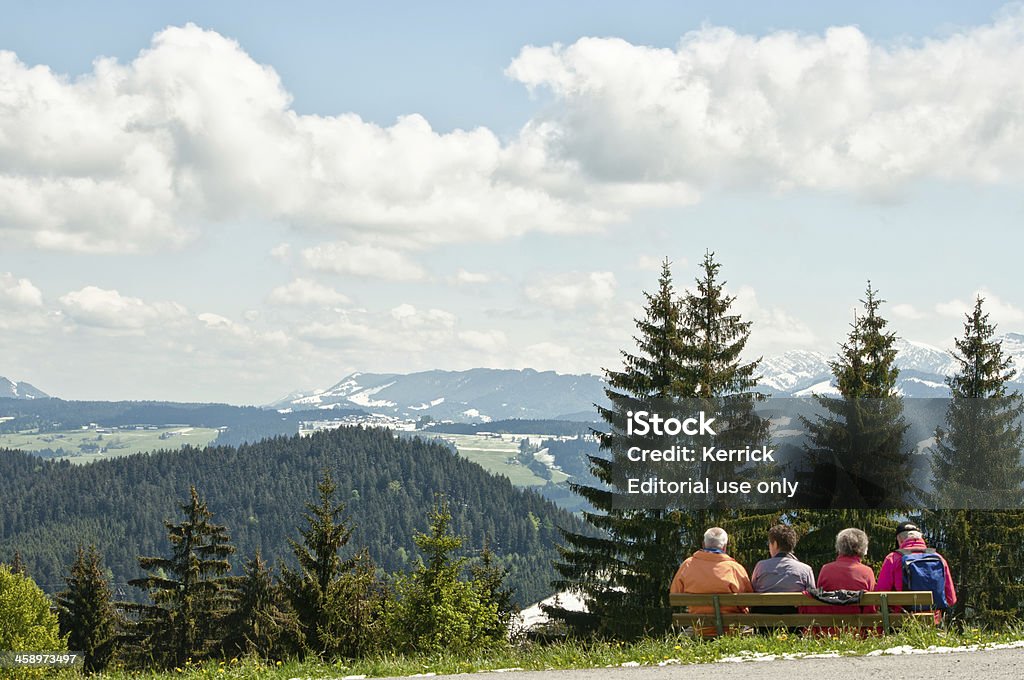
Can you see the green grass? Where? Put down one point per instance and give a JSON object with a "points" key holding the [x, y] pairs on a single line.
{"points": [[493, 455], [119, 443], [581, 654]]}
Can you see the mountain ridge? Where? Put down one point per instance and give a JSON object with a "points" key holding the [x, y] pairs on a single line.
{"points": [[484, 394], [13, 389]]}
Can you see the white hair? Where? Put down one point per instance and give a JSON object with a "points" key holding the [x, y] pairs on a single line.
{"points": [[852, 543], [907, 535], [716, 538]]}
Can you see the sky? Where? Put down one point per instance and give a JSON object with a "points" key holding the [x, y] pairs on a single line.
{"points": [[227, 202]]}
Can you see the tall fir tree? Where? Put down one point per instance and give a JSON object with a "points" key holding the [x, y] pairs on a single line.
{"points": [[336, 600], [977, 475], [86, 610], [861, 473], [714, 340], [687, 349], [623, 572], [190, 591]]}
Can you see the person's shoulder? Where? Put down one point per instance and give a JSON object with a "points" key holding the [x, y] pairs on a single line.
{"points": [[737, 566]]}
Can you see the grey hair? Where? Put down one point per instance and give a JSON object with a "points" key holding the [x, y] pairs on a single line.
{"points": [[908, 535], [852, 543], [716, 538]]}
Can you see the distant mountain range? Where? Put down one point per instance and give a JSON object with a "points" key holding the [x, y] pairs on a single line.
{"points": [[476, 395], [923, 370], [484, 394], [10, 389]]}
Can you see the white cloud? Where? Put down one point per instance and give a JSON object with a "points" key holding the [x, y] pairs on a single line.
{"points": [[281, 252], [342, 328], [549, 356], [463, 277], [484, 341], [652, 263], [774, 329], [101, 308], [140, 156], [907, 311], [409, 317], [307, 292], [572, 289], [144, 155], [1000, 311], [362, 260], [832, 111], [18, 292], [241, 337]]}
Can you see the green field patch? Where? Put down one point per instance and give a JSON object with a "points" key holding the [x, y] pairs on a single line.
{"points": [[86, 446], [497, 456]]}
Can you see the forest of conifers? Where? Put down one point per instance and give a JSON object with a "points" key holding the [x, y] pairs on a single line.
{"points": [[259, 491]]}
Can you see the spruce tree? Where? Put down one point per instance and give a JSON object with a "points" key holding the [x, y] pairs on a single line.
{"points": [[86, 610], [976, 463], [17, 565], [336, 600], [860, 473], [262, 622], [488, 577], [190, 591], [724, 384], [688, 352], [623, 572]]}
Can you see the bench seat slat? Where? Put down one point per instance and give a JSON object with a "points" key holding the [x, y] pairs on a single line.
{"points": [[800, 620], [902, 598]]}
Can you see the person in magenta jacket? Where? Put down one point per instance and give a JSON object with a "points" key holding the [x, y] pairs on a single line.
{"points": [[890, 576]]}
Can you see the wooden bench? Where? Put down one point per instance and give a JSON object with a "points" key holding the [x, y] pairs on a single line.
{"points": [[883, 600]]}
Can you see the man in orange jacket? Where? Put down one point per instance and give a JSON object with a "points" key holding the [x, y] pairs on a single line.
{"points": [[711, 570]]}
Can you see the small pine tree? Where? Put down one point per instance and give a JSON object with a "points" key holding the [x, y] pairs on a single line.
{"points": [[336, 601], [488, 577], [976, 463], [86, 610], [190, 591], [17, 565], [262, 622], [434, 608]]}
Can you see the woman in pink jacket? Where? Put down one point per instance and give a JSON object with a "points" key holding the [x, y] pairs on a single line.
{"points": [[890, 576]]}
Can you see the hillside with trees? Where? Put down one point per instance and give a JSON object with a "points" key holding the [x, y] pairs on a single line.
{"points": [[387, 485]]}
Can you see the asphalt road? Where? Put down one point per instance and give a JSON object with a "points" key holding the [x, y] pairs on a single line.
{"points": [[999, 664]]}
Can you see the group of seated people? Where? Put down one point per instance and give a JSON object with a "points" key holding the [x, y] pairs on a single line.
{"points": [[712, 570]]}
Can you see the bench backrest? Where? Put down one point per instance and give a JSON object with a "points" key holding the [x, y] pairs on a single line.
{"points": [[870, 599]]}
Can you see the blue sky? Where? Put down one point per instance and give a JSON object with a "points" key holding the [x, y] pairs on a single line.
{"points": [[216, 202]]}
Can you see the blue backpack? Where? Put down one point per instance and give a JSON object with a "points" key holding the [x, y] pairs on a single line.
{"points": [[923, 570]]}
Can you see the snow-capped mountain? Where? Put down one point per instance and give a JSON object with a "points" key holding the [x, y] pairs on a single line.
{"points": [[793, 371], [476, 395], [923, 358], [484, 394], [10, 389], [923, 369], [1013, 345]]}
